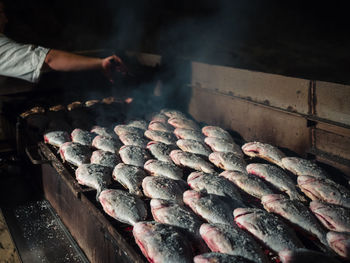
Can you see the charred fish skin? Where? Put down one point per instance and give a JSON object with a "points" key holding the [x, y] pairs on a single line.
{"points": [[56, 138], [190, 134], [160, 136], [104, 158], [230, 239], [193, 146], [214, 257], [161, 243], [107, 144], [133, 139], [340, 243], [140, 124], [103, 131], [250, 184], [228, 161], [217, 132], [186, 159], [75, 153], [264, 151], [159, 168], [300, 166], [185, 123], [121, 129], [173, 113], [123, 206], [134, 155], [268, 228], [160, 151], [334, 217], [223, 145], [83, 137], [130, 177], [160, 126], [277, 177], [295, 212], [302, 255], [324, 190]]}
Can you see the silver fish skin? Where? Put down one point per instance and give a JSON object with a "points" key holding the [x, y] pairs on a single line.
{"points": [[189, 134], [130, 177], [250, 184], [324, 190], [75, 153], [223, 145], [193, 146], [333, 217], [213, 184], [217, 132], [95, 176], [295, 212], [173, 113], [302, 255], [134, 155], [160, 126], [277, 177], [228, 161], [141, 124], [121, 129], [160, 136], [159, 168], [300, 166], [268, 228], [162, 243], [184, 123], [105, 158], [123, 206], [185, 159], [164, 188], [161, 151], [230, 239], [83, 137], [133, 139], [340, 243], [214, 257], [210, 207], [57, 138], [264, 151], [107, 144], [104, 131]]}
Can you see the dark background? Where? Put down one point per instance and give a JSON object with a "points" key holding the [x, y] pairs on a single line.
{"points": [[309, 40]]}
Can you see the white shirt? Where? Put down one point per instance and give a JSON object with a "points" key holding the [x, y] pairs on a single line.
{"points": [[22, 61]]}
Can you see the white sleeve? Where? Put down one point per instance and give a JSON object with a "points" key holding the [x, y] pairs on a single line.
{"points": [[21, 60]]}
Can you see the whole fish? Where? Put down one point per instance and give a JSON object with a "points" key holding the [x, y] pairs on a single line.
{"points": [[264, 151], [324, 190], [162, 243], [91, 103], [173, 113], [217, 132], [159, 168], [223, 145], [105, 158], [107, 144], [228, 161], [123, 206], [164, 188], [183, 123], [104, 131], [189, 134], [133, 139], [340, 243], [141, 124], [295, 212], [250, 184], [191, 160], [210, 207], [160, 136], [134, 155], [130, 177], [161, 151], [300, 166], [214, 257], [56, 138], [302, 255], [268, 228], [159, 117], [95, 176], [75, 153], [160, 126], [83, 137], [333, 217], [230, 239], [193, 146], [121, 129], [213, 184], [277, 177]]}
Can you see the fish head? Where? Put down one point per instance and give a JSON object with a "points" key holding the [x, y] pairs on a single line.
{"points": [[304, 180], [149, 164], [253, 149], [268, 200], [149, 144], [175, 155], [324, 213], [340, 242], [190, 196], [290, 162], [215, 157], [194, 176], [104, 200], [286, 256], [157, 203]]}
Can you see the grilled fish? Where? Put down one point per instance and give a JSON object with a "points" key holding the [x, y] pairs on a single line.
{"points": [[164, 188], [107, 144], [230, 239], [121, 129], [83, 137], [160, 136], [277, 177], [228, 161], [340, 243], [324, 190], [183, 123], [75, 153], [160, 126], [134, 155], [268, 228], [193, 146], [264, 151], [123, 206], [333, 217], [214, 257], [159, 117], [103, 131], [295, 212], [159, 168], [252, 185], [133, 139], [56, 138], [302, 255], [105, 158], [223, 145], [160, 151], [141, 124], [173, 113], [130, 177], [211, 207], [162, 243], [217, 132], [191, 160], [300, 166], [189, 134]]}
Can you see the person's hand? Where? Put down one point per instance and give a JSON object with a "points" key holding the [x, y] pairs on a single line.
{"points": [[112, 65]]}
